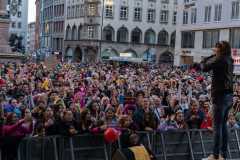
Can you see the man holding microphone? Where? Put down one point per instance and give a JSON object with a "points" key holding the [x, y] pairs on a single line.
{"points": [[221, 65]]}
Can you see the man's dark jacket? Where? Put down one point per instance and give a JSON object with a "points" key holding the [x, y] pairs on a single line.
{"points": [[222, 75]]}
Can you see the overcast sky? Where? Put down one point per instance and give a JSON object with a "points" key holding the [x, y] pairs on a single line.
{"points": [[31, 11]]}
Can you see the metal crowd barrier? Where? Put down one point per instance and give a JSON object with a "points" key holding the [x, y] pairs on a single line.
{"points": [[171, 145]]}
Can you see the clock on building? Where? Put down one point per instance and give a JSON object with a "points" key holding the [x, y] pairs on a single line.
{"points": [[14, 7]]}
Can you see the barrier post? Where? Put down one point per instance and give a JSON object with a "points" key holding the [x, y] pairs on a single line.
{"points": [[71, 148], [164, 146], [202, 144], [110, 150], [148, 140], [119, 143], [238, 142], [190, 145], [29, 149], [55, 148], [18, 154], [229, 151], [43, 148], [105, 151], [153, 139]]}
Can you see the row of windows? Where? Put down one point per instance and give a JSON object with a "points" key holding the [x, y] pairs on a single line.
{"points": [[210, 38], [57, 44], [75, 11], [193, 16], [217, 13], [122, 35], [235, 37], [16, 25], [235, 13], [137, 15], [53, 27], [59, 10], [58, 27], [235, 10], [150, 37], [48, 13], [48, 28], [207, 14], [19, 14], [19, 2], [56, 11], [74, 34], [80, 11]]}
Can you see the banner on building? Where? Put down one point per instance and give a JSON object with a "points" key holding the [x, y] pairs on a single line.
{"points": [[236, 58]]}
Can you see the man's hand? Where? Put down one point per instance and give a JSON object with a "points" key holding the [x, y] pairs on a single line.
{"points": [[73, 131], [148, 129]]}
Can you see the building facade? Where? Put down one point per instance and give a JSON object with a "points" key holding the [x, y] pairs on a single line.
{"points": [[51, 25], [38, 25], [31, 38], [101, 29], [18, 11], [201, 24], [4, 27]]}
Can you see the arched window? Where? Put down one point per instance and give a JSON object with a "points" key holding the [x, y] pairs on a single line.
{"points": [[109, 52], [69, 54], [136, 36], [77, 55], [79, 32], [150, 55], [166, 58], [150, 37], [163, 37], [68, 33], [74, 33], [108, 33], [122, 34], [173, 39]]}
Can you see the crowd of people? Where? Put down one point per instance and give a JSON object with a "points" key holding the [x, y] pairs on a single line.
{"points": [[72, 99]]}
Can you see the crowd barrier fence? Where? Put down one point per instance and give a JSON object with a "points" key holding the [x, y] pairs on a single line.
{"points": [[171, 145]]}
